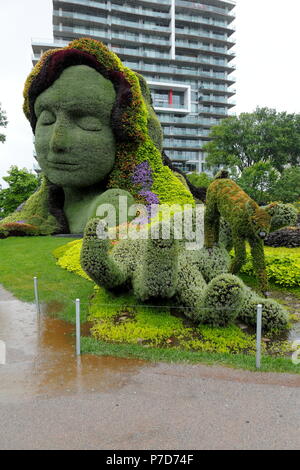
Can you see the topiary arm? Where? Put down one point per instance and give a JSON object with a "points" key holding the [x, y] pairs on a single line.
{"points": [[190, 290], [157, 273], [96, 259]]}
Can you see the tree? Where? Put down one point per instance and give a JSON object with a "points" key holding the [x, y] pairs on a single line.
{"points": [[259, 181], [287, 189], [3, 123], [264, 135], [21, 184], [200, 180]]}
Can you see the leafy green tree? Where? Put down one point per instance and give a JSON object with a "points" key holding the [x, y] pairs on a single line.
{"points": [[21, 184], [287, 189], [200, 180], [3, 123], [259, 181], [264, 135]]}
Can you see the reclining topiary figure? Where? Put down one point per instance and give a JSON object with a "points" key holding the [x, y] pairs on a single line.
{"points": [[197, 280], [247, 221]]}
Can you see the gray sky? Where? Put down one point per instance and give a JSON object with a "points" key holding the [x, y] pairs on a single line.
{"points": [[268, 66]]}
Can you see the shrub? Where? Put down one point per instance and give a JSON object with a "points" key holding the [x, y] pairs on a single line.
{"points": [[68, 257], [18, 229], [222, 299], [283, 267], [274, 316], [200, 180], [284, 215], [156, 327], [297, 205], [212, 262], [286, 237], [34, 212]]}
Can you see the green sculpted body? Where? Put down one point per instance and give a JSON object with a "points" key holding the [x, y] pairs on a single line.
{"points": [[198, 280], [74, 141]]}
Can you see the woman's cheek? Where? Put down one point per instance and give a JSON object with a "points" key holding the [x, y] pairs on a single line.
{"points": [[42, 142]]}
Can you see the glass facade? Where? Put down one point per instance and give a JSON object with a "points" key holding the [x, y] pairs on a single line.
{"points": [[186, 46]]}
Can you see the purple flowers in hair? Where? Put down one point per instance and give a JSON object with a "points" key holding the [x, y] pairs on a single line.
{"points": [[150, 197], [143, 175]]}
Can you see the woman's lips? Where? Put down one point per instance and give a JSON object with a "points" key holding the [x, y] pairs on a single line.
{"points": [[63, 165]]}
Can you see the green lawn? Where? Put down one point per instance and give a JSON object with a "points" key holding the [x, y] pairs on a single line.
{"points": [[25, 257], [251, 282], [240, 361], [22, 258]]}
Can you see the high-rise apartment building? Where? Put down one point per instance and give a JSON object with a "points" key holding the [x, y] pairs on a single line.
{"points": [[182, 48]]}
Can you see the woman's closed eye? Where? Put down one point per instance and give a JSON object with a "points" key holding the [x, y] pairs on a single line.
{"points": [[89, 123], [46, 118]]}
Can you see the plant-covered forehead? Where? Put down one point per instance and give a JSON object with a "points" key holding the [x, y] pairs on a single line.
{"points": [[80, 90]]}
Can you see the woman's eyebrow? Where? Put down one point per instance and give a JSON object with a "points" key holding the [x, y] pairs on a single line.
{"points": [[87, 107], [40, 105], [83, 106]]}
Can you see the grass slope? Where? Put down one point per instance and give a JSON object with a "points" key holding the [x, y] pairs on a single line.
{"points": [[22, 258]]}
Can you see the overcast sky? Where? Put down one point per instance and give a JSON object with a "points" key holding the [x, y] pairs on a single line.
{"points": [[268, 66]]}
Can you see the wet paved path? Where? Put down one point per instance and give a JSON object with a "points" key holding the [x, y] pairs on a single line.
{"points": [[48, 400]]}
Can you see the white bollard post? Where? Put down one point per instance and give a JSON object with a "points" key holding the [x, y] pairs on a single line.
{"points": [[36, 294], [258, 336], [78, 327]]}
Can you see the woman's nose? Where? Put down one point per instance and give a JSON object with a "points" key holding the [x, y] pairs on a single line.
{"points": [[60, 139]]}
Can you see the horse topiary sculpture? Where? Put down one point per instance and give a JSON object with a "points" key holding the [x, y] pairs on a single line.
{"points": [[247, 221]]}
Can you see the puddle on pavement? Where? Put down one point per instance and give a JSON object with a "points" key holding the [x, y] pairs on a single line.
{"points": [[41, 358]]}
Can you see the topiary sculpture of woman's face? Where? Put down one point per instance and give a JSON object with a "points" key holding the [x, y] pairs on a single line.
{"points": [[97, 137], [74, 140]]}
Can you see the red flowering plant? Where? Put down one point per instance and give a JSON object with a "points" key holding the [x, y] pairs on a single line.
{"points": [[19, 228]]}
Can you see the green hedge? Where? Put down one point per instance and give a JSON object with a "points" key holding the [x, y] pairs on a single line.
{"points": [[282, 265]]}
